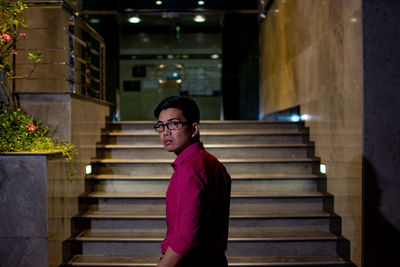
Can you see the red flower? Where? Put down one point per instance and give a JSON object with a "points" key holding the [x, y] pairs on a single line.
{"points": [[31, 127], [5, 38]]}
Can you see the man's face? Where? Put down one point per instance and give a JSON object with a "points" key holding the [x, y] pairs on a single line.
{"points": [[176, 140]]}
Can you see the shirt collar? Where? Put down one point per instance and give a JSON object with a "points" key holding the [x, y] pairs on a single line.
{"points": [[186, 153]]}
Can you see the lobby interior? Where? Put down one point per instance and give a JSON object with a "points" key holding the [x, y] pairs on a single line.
{"points": [[332, 64]]}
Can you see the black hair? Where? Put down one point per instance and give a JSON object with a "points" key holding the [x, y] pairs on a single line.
{"points": [[188, 106]]}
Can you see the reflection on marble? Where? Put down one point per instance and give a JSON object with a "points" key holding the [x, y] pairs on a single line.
{"points": [[311, 56]]}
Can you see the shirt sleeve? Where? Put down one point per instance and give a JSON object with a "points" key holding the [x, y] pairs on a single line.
{"points": [[189, 193]]}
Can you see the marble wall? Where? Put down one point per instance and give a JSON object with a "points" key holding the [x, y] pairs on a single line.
{"points": [[381, 39], [33, 208], [311, 56]]}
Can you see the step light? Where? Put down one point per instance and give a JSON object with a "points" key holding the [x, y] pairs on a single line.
{"points": [[295, 118], [88, 169], [322, 168], [305, 117]]}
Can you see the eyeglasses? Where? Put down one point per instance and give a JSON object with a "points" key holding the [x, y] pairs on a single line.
{"points": [[171, 125]]}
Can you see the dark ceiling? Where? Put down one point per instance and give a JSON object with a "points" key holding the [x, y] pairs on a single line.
{"points": [[141, 5], [168, 15]]}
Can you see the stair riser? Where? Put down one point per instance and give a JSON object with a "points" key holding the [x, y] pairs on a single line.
{"points": [[233, 168], [122, 248], [249, 224], [211, 139], [213, 126], [274, 264], [154, 153], [160, 186], [243, 248], [157, 206], [265, 248]]}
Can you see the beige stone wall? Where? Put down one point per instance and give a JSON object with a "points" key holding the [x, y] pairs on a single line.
{"points": [[87, 120], [47, 32], [311, 56], [75, 119]]}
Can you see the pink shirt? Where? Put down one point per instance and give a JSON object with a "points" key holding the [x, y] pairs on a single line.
{"points": [[198, 198]]}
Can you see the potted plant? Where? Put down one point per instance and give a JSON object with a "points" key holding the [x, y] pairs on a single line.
{"points": [[18, 131], [33, 181]]}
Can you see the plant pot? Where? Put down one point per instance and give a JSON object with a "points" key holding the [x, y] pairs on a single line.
{"points": [[34, 199]]}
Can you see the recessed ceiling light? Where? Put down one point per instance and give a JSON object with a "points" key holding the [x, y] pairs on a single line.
{"points": [[94, 20], [199, 18], [200, 3], [134, 19], [158, 3]]}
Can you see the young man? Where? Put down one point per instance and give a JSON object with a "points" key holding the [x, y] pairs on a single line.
{"points": [[198, 195]]}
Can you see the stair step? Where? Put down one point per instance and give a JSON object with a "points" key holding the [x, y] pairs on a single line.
{"points": [[233, 195], [206, 125], [260, 183], [238, 235], [272, 176], [260, 261], [218, 150], [233, 215], [213, 137], [312, 201], [251, 221], [233, 165], [254, 243], [225, 160]]}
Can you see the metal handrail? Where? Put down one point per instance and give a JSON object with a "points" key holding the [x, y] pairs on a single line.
{"points": [[86, 52]]}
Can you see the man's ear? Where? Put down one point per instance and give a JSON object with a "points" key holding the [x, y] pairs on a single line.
{"points": [[195, 129]]}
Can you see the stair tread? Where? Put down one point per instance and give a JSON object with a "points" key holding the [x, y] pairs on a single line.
{"points": [[208, 132], [233, 195], [213, 122], [282, 260], [223, 160], [233, 214], [237, 176], [234, 235], [110, 222], [212, 146]]}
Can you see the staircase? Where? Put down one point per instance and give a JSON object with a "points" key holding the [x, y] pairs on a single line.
{"points": [[281, 214]]}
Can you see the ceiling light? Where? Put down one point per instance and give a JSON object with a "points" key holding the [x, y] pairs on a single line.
{"points": [[94, 20], [215, 56], [200, 3], [158, 3], [134, 19], [199, 18]]}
